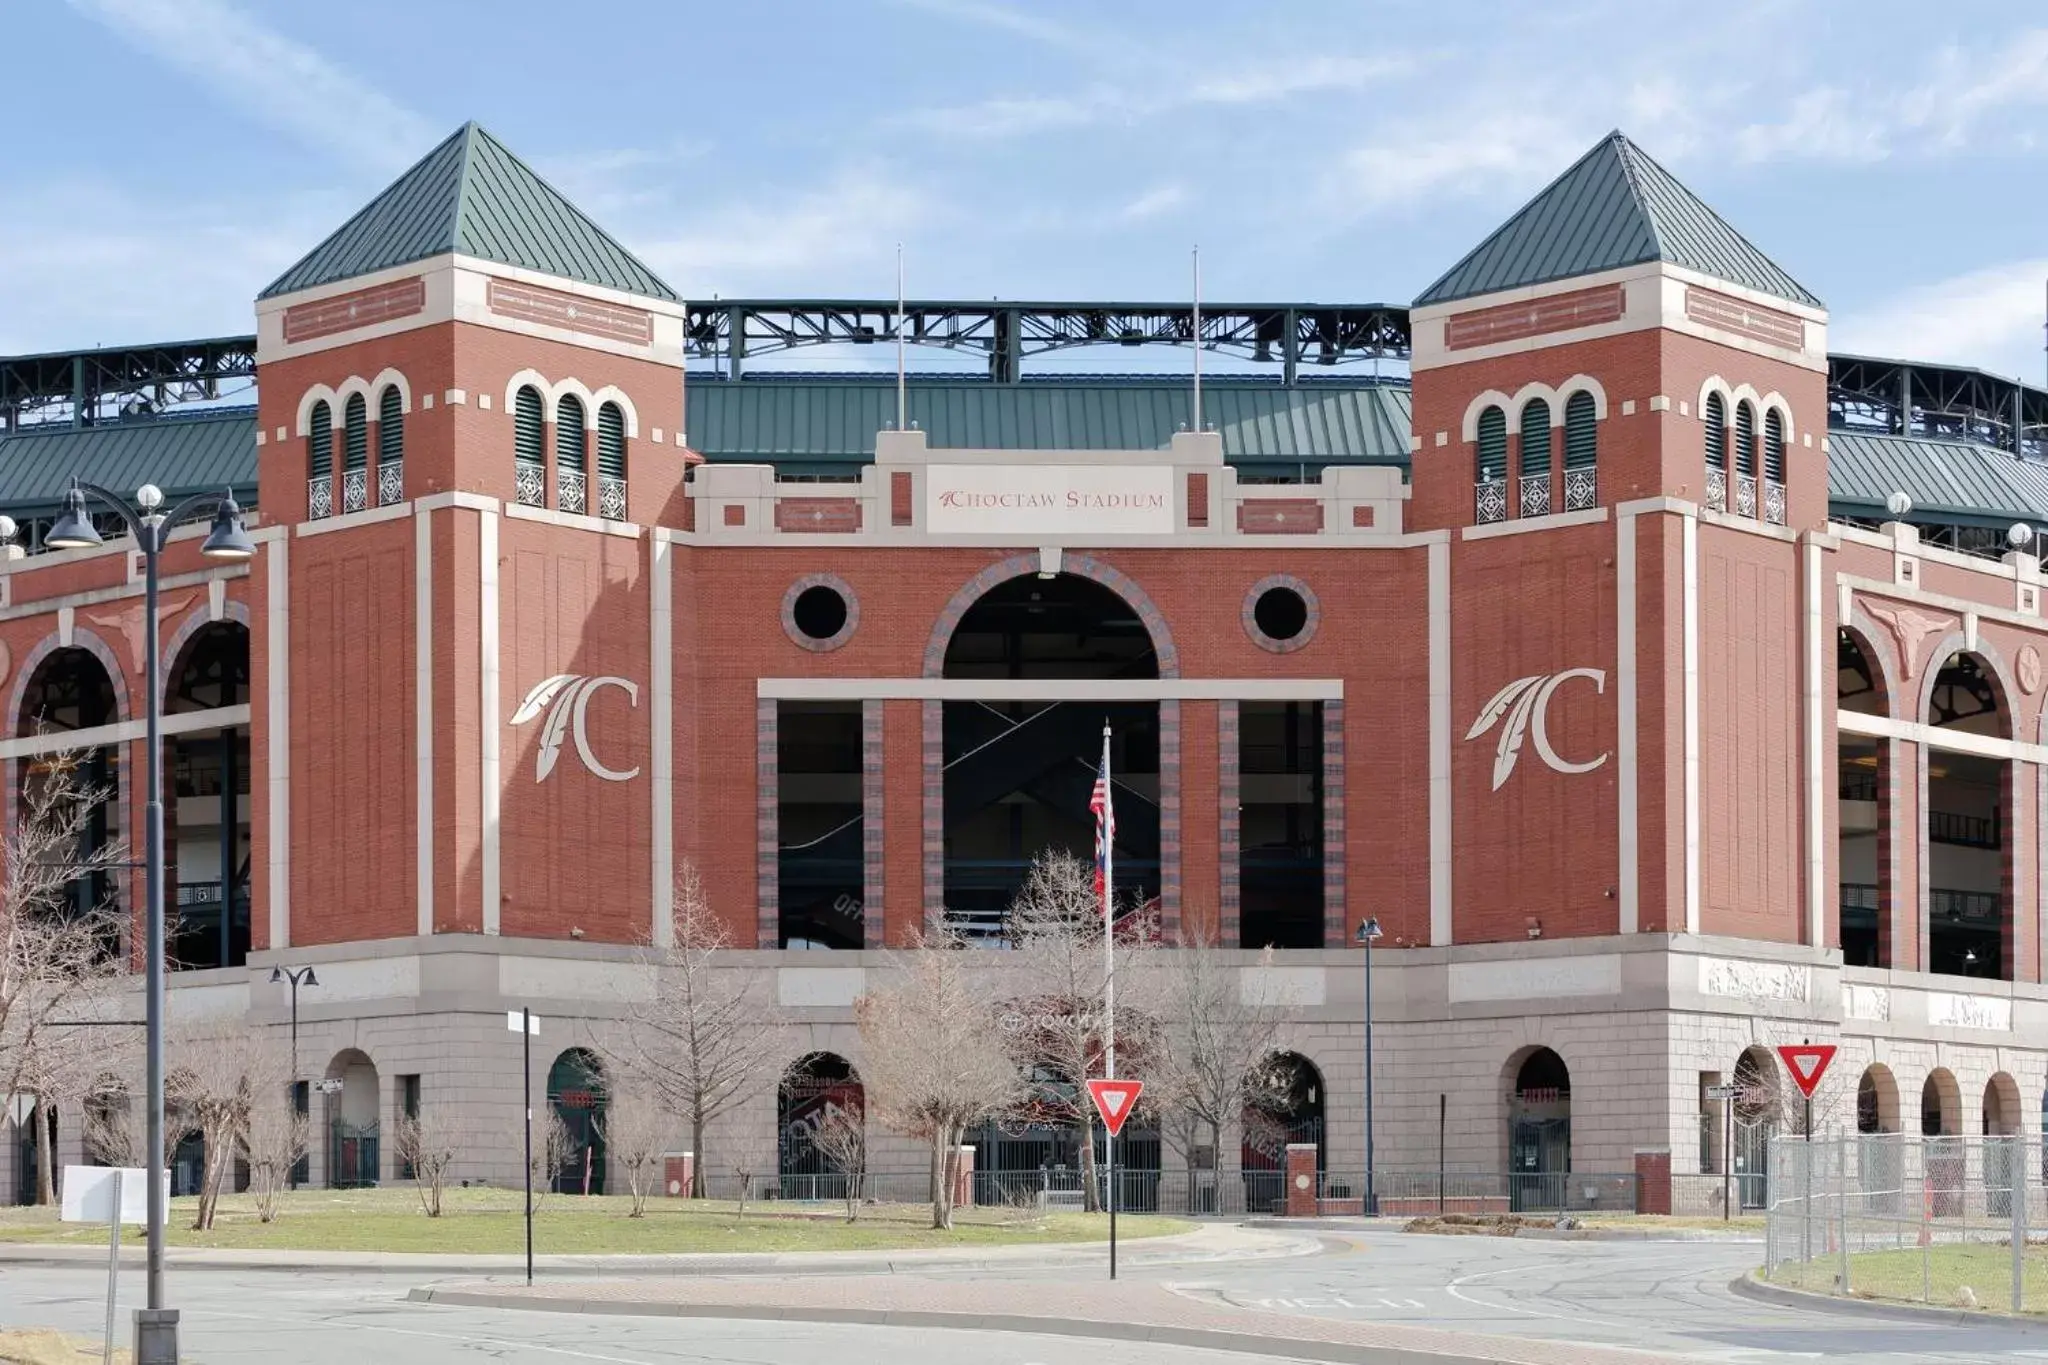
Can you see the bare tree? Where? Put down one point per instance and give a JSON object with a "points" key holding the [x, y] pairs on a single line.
{"points": [[841, 1137], [551, 1144], [1221, 1033], [275, 1139], [698, 1039], [636, 1137], [1055, 1024], [426, 1144], [936, 1059], [58, 956], [220, 1072]]}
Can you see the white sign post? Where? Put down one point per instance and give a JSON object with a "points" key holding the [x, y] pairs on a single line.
{"points": [[112, 1195]]}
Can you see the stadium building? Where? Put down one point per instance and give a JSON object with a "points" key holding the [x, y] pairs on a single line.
{"points": [[1666, 687]]}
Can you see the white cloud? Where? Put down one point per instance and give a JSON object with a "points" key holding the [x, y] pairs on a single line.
{"points": [[809, 239], [1159, 200], [1990, 318], [1497, 154], [283, 83]]}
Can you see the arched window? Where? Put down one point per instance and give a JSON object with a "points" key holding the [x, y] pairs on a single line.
{"points": [[570, 444], [1581, 453], [1490, 469], [355, 454], [1715, 414], [1774, 467], [1535, 500], [611, 462], [320, 462], [527, 447], [390, 446], [1745, 460]]}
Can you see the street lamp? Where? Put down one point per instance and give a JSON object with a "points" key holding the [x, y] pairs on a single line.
{"points": [[298, 976], [1367, 932], [156, 1327]]}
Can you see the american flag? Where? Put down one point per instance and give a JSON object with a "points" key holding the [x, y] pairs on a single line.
{"points": [[1105, 817]]}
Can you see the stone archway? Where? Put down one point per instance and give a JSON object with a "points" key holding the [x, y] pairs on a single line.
{"points": [[1538, 1087], [1081, 566]]}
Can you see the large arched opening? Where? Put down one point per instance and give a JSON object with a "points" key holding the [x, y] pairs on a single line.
{"points": [[1539, 1129], [1019, 775], [576, 1099], [1759, 1106], [1286, 1110], [1880, 1148], [1863, 776], [1941, 1125], [354, 1136], [818, 1094], [206, 836], [72, 690], [1969, 839]]}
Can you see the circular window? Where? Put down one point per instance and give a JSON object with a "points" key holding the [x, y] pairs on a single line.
{"points": [[819, 612], [1280, 613]]}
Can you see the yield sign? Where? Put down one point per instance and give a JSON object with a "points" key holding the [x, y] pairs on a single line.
{"points": [[1807, 1062], [1115, 1100]]}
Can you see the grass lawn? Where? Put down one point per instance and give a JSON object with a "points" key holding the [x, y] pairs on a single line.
{"points": [[1935, 1274], [477, 1221], [34, 1347], [1747, 1223]]}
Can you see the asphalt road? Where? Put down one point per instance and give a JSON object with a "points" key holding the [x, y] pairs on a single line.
{"points": [[1671, 1298]]}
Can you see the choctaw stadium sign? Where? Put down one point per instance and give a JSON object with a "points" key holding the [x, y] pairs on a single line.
{"points": [[1012, 499]]}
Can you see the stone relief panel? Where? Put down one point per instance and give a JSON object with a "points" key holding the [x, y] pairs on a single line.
{"points": [[1753, 980], [1988, 1012], [1870, 1003], [1542, 978]]}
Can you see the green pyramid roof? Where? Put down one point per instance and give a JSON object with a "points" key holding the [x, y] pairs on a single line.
{"points": [[472, 196], [1614, 207]]}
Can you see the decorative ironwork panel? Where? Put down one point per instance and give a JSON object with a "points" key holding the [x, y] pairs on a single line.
{"points": [[528, 482], [355, 489], [1581, 490], [320, 497], [1745, 495], [1535, 495], [1717, 489], [1490, 501], [611, 498], [569, 490], [390, 482], [1774, 502]]}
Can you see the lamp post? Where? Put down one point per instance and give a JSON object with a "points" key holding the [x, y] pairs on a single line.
{"points": [[156, 1327], [298, 976], [1367, 932]]}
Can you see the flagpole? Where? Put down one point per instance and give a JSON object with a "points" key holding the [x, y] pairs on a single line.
{"points": [[1109, 979]]}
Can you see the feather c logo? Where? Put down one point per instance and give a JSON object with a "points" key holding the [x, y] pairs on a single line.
{"points": [[1524, 706], [569, 694]]}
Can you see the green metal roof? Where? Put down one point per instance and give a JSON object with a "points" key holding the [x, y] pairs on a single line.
{"points": [[1947, 480], [473, 196], [180, 455], [835, 421], [1614, 207]]}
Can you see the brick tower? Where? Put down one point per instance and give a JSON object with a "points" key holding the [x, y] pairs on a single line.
{"points": [[471, 415], [1619, 406]]}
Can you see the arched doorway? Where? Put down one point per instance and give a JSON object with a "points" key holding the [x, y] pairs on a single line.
{"points": [[576, 1096], [72, 690], [1019, 774], [816, 1091], [1863, 786], [1969, 843], [206, 785], [2001, 1125], [1941, 1104], [1880, 1146], [353, 1135], [2001, 1106], [1877, 1101], [1539, 1129], [1759, 1108], [1941, 1125], [1287, 1110]]}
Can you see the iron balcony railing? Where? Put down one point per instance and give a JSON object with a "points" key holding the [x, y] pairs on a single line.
{"points": [[355, 489], [1745, 495], [1861, 900], [1774, 502], [529, 483], [390, 482], [1490, 501], [569, 490], [611, 497], [1970, 831], [1717, 489], [1535, 495], [320, 497], [1581, 490]]}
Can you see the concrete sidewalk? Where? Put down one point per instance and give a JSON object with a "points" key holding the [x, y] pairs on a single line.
{"points": [[1124, 1311], [1211, 1242]]}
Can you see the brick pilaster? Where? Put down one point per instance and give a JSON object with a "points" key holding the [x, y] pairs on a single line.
{"points": [[1198, 819], [1228, 786], [873, 893], [767, 834], [1336, 918], [1653, 1182], [903, 891], [1169, 821], [933, 818]]}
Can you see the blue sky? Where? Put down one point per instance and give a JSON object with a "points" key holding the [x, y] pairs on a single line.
{"points": [[171, 156]]}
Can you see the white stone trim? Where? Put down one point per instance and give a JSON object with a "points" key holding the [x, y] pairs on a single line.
{"points": [[455, 398], [1885, 588], [1768, 404], [434, 502], [1468, 427], [1441, 864], [1528, 394], [350, 520], [661, 750], [1549, 521], [384, 379], [563, 388], [1713, 384], [1941, 737], [319, 393], [1581, 383], [1689, 559], [278, 722], [612, 393], [487, 675], [423, 719], [355, 386], [122, 732], [1816, 772], [519, 511], [1625, 684], [539, 383], [1049, 689]]}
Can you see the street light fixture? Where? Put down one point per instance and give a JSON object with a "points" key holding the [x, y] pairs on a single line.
{"points": [[156, 1327], [1368, 932], [298, 976]]}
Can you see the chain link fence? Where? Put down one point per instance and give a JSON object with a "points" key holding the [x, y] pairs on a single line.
{"points": [[1935, 1220]]}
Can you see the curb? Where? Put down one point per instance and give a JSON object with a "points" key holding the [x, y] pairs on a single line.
{"points": [[1750, 1287], [1196, 1338]]}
